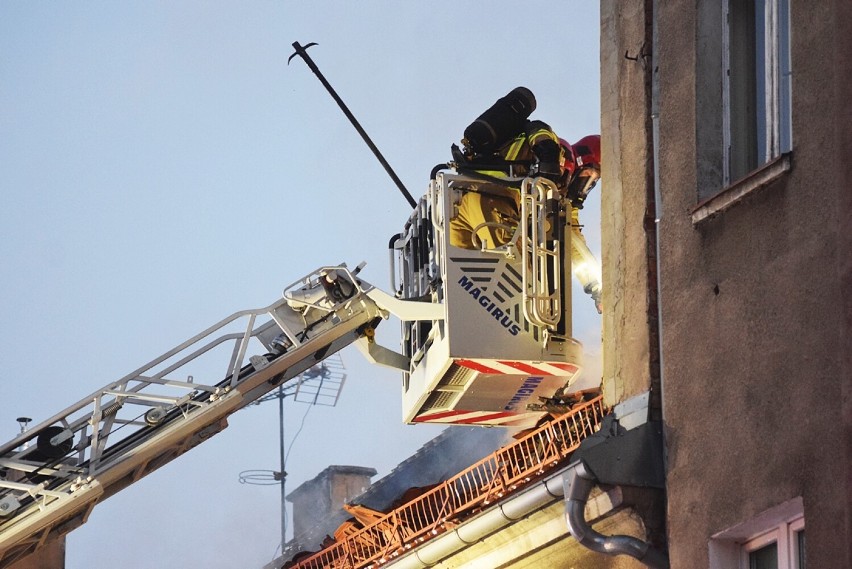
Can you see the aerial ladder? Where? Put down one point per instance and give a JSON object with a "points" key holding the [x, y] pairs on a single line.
{"points": [[485, 336]]}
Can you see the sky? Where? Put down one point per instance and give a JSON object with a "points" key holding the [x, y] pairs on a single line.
{"points": [[162, 166]]}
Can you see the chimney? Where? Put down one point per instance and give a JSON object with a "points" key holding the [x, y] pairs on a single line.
{"points": [[318, 503]]}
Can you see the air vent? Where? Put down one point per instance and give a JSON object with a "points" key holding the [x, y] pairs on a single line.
{"points": [[457, 375], [440, 400]]}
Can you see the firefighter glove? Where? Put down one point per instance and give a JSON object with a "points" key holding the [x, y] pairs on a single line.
{"points": [[547, 154], [594, 290], [549, 170]]}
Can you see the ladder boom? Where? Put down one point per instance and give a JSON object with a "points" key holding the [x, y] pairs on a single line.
{"points": [[56, 472]]}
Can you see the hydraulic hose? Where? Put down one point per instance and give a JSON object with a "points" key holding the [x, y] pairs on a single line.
{"points": [[437, 169]]}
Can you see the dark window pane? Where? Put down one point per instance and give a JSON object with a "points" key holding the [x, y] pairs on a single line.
{"points": [[800, 537], [764, 558], [760, 61], [744, 87]]}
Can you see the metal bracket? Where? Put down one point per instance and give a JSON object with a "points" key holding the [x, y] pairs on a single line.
{"points": [[406, 310], [628, 448], [623, 457], [379, 355]]}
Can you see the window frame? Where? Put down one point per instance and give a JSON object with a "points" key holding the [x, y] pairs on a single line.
{"points": [[716, 191], [795, 526], [775, 114], [780, 524], [785, 536]]}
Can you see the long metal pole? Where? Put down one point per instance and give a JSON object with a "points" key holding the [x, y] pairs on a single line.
{"points": [[283, 473], [302, 51]]}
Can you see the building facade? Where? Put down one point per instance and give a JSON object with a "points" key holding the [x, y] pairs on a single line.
{"points": [[727, 150]]}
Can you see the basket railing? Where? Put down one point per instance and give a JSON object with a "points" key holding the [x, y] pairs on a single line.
{"points": [[475, 488]]}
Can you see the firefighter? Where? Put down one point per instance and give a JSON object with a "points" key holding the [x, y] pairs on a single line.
{"points": [[488, 218], [501, 143], [504, 143], [585, 173]]}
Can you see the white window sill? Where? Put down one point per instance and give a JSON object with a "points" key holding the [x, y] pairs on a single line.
{"points": [[734, 193]]}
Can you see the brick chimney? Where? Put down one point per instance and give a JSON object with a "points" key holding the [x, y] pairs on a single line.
{"points": [[318, 503]]}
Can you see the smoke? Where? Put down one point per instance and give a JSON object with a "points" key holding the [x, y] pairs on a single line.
{"points": [[592, 369], [587, 330], [452, 451]]}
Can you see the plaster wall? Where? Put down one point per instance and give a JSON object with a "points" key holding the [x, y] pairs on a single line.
{"points": [[756, 300], [51, 556], [843, 141], [629, 347]]}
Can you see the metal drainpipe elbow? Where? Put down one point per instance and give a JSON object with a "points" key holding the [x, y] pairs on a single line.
{"points": [[579, 483]]}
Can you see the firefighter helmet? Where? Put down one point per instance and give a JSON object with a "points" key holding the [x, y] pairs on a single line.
{"points": [[568, 160], [587, 160], [587, 151]]}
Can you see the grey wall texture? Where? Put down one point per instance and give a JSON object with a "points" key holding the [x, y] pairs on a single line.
{"points": [[756, 382]]}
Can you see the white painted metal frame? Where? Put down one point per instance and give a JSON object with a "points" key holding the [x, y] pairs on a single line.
{"points": [[541, 255]]}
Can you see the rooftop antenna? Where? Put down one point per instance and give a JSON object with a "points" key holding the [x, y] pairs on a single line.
{"points": [[318, 385], [302, 51]]}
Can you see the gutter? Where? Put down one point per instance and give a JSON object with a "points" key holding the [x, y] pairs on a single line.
{"points": [[658, 195], [626, 451], [541, 494]]}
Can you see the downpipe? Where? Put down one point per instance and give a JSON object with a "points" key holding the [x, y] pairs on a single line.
{"points": [[578, 483]]}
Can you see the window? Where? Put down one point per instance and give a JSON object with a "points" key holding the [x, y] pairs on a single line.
{"points": [[764, 558], [743, 100], [780, 548], [757, 85], [774, 539]]}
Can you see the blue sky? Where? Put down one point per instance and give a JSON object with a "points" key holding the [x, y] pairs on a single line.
{"points": [[161, 166]]}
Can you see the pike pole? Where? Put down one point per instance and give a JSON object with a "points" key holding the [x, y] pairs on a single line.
{"points": [[303, 53]]}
